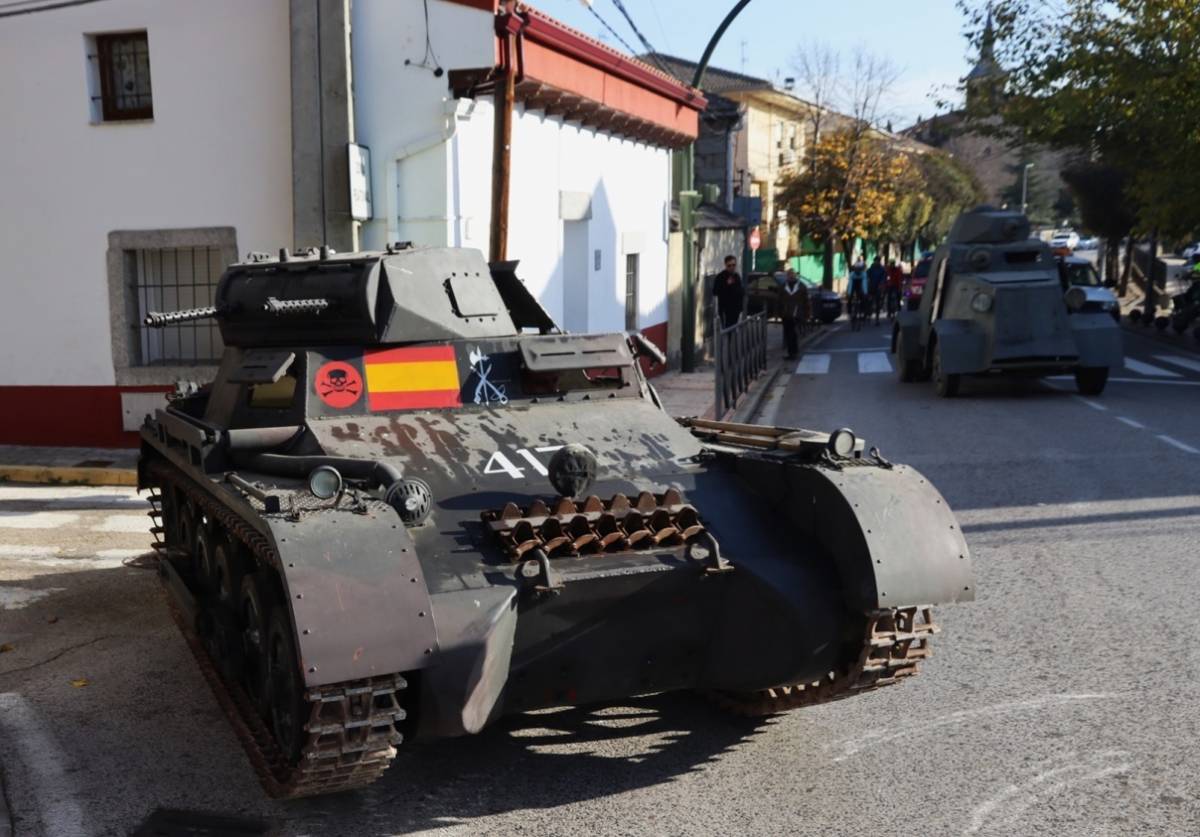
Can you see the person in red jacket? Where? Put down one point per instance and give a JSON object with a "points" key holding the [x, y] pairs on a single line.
{"points": [[895, 281]]}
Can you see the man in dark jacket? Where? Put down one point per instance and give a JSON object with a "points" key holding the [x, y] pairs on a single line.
{"points": [[793, 310], [876, 277], [727, 288]]}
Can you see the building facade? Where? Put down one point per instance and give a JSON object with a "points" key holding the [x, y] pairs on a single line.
{"points": [[151, 142]]}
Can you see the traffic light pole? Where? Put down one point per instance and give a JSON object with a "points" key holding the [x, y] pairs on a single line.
{"points": [[689, 200]]}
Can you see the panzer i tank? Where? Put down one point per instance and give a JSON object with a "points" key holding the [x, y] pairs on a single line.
{"points": [[409, 504]]}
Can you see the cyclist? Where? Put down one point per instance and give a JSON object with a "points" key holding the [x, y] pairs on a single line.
{"points": [[856, 294], [876, 277], [895, 281]]}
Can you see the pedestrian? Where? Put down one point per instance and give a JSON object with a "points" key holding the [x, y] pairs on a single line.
{"points": [[793, 306], [895, 280], [727, 288], [876, 278], [856, 293]]}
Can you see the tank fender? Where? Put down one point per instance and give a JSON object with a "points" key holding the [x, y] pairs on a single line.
{"points": [[1098, 339], [908, 324], [360, 605], [892, 536], [460, 692], [964, 346]]}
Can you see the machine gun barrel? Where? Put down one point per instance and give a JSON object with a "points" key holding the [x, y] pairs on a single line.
{"points": [[274, 305], [158, 319]]}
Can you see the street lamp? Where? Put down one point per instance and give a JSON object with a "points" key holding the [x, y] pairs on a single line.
{"points": [[1025, 189]]}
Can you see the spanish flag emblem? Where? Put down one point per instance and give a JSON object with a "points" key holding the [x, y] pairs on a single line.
{"points": [[414, 378]]}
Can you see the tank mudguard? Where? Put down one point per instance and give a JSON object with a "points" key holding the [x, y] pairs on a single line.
{"points": [[893, 537], [1098, 339], [908, 325], [359, 601], [964, 346]]}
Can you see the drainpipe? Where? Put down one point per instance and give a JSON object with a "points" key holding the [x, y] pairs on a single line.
{"points": [[508, 30], [455, 110]]}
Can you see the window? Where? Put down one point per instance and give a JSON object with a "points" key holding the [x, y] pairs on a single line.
{"points": [[173, 279], [631, 292], [121, 77]]}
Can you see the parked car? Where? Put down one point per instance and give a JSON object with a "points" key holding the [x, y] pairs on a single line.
{"points": [[762, 294], [826, 304], [1191, 250], [914, 285], [1089, 242], [1064, 240], [1079, 273]]}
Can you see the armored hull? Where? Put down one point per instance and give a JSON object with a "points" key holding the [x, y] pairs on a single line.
{"points": [[374, 537]]}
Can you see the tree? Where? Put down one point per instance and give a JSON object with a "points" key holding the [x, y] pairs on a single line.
{"points": [[952, 189], [1111, 78], [1101, 192]]}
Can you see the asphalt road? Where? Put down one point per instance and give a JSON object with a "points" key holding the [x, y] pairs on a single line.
{"points": [[1061, 702]]}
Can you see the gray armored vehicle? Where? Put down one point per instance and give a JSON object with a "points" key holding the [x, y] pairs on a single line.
{"points": [[994, 304], [409, 505]]}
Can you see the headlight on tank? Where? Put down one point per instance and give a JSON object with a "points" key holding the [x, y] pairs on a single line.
{"points": [[982, 302], [1075, 298]]}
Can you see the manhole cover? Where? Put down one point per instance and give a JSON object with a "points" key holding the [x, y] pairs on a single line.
{"points": [[166, 822], [93, 463]]}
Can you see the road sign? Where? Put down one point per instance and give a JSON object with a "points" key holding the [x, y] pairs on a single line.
{"points": [[755, 239]]}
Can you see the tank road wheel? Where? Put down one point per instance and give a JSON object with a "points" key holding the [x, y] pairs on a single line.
{"points": [[1090, 380], [229, 566], [205, 541], [186, 525], [252, 620], [909, 369], [285, 688], [944, 384]]}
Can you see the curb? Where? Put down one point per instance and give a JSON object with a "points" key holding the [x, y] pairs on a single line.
{"points": [[1179, 341], [56, 475]]}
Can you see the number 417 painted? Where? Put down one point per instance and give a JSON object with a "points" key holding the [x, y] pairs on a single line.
{"points": [[500, 463]]}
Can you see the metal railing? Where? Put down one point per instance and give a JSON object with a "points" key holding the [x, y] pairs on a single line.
{"points": [[739, 356]]}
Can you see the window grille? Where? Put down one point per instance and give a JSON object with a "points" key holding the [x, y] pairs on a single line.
{"points": [[124, 70], [631, 292], [168, 280]]}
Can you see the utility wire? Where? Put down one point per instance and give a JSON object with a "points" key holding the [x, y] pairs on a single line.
{"points": [[49, 7], [653, 53], [604, 23]]}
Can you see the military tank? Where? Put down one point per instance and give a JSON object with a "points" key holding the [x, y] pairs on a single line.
{"points": [[409, 504]]}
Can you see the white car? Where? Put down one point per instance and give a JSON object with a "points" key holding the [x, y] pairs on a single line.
{"points": [[1190, 250], [1064, 238]]}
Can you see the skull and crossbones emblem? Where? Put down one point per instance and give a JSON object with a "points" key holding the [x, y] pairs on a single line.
{"points": [[338, 384]]}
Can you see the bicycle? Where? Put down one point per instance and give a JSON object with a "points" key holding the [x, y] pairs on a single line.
{"points": [[893, 302], [857, 309]]}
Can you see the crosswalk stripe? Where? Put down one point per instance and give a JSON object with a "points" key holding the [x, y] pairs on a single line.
{"points": [[1176, 360], [816, 364], [872, 362], [1143, 368]]}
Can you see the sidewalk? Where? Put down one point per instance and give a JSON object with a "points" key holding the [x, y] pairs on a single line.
{"points": [[692, 394], [68, 466]]}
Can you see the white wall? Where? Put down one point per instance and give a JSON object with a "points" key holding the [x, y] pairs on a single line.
{"points": [[217, 153]]}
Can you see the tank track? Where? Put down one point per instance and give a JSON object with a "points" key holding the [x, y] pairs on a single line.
{"points": [[350, 731], [894, 643]]}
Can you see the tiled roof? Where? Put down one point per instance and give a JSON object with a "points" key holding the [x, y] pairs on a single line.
{"points": [[715, 79]]}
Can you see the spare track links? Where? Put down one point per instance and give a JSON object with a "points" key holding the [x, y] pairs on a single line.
{"points": [[894, 643], [593, 525], [350, 727]]}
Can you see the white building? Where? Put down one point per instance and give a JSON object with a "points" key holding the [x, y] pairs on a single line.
{"points": [[149, 142]]}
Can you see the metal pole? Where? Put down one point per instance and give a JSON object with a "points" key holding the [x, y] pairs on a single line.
{"points": [[687, 223], [1025, 188], [501, 150], [717, 337], [1151, 307]]}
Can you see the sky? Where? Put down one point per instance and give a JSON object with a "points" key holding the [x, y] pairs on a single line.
{"points": [[924, 39]]}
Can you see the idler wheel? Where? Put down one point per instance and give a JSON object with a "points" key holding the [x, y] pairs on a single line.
{"points": [[252, 620], [286, 690]]}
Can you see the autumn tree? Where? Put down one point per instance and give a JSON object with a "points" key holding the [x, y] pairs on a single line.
{"points": [[952, 189]]}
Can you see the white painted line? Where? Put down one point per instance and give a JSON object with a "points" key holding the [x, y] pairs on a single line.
{"points": [[35, 520], [70, 563], [1131, 381], [46, 767], [9, 550], [1175, 443], [15, 598], [1137, 425], [1093, 404], [1151, 370], [813, 365], [1176, 360], [873, 362], [133, 523]]}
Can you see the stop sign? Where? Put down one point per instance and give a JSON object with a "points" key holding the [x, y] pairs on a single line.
{"points": [[755, 239]]}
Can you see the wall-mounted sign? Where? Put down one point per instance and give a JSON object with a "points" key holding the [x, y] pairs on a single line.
{"points": [[359, 160]]}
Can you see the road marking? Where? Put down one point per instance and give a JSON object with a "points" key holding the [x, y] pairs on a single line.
{"points": [[54, 562], [20, 551], [46, 766], [1132, 381], [873, 362], [1175, 443], [1093, 404], [1152, 371], [813, 365], [1176, 360], [35, 520], [15, 598], [133, 523], [1137, 425]]}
